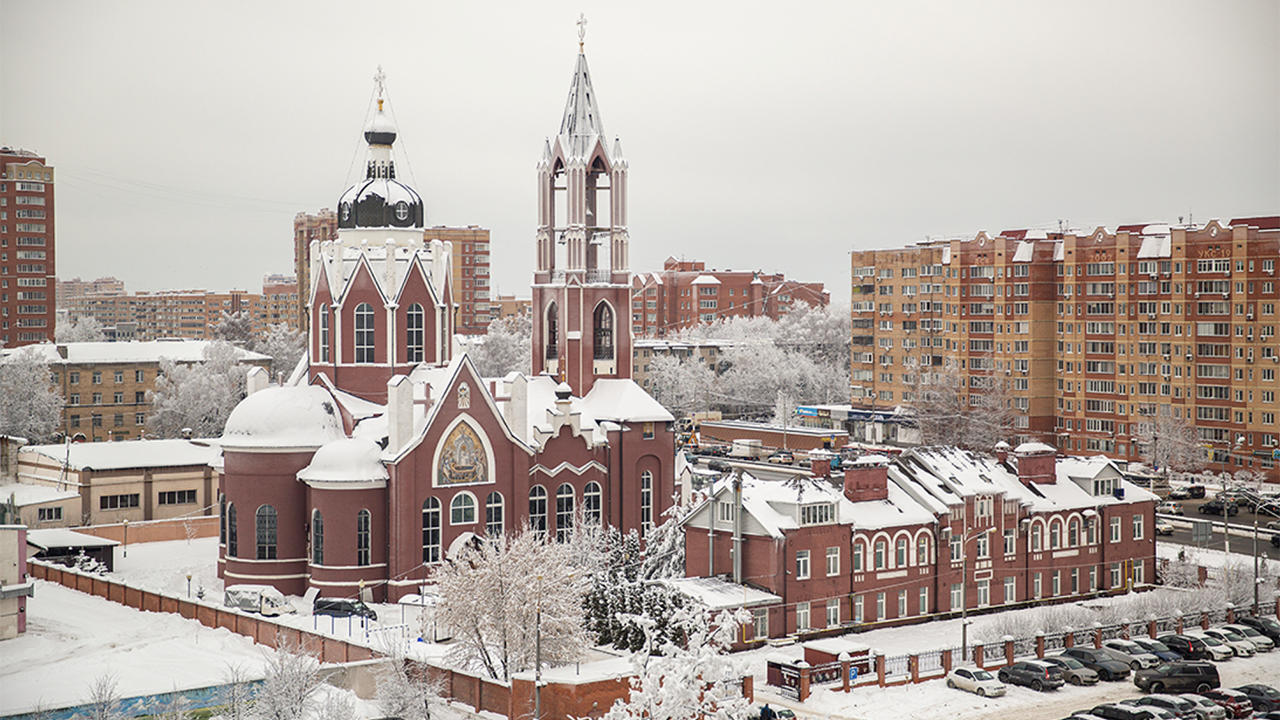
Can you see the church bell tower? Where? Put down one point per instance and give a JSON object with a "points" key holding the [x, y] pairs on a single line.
{"points": [[582, 281]]}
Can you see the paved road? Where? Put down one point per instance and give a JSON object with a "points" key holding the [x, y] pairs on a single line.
{"points": [[1241, 535]]}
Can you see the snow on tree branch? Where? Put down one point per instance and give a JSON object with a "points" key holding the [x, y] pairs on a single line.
{"points": [[199, 396], [29, 406]]}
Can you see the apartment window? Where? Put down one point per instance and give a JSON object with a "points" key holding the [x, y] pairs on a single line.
{"points": [[833, 561], [802, 564], [265, 521], [900, 554], [139, 375], [48, 514], [957, 595], [857, 609], [760, 622], [880, 611], [1115, 575], [833, 612], [923, 608], [1036, 589], [983, 546], [493, 514], [74, 378], [118, 398], [1115, 529], [97, 398], [902, 603], [1075, 580], [97, 377], [139, 418], [1010, 589], [802, 616], [880, 552], [922, 551], [74, 399], [984, 592], [119, 376], [1057, 583], [1137, 527], [858, 549], [1010, 540], [177, 497]]}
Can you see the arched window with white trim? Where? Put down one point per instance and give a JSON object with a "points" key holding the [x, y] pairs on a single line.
{"points": [[317, 537], [431, 530], [365, 334], [564, 511], [493, 514], [415, 321], [646, 502], [362, 537], [462, 510], [591, 503], [324, 333], [602, 324], [266, 532], [538, 510]]}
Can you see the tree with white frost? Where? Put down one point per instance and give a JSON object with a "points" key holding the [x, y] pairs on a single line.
{"points": [[689, 680], [504, 349], [235, 328], [104, 699], [1170, 444], [284, 346], [199, 396], [947, 410], [85, 328], [405, 691], [491, 593], [286, 693], [29, 406], [680, 383]]}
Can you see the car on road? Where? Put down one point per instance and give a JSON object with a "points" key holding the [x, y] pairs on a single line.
{"points": [[1218, 506], [1157, 648], [1163, 527], [1265, 625], [1197, 491], [1275, 540], [1190, 648], [1274, 525], [782, 458], [1182, 708], [1180, 493], [1237, 704], [1130, 653], [1260, 642], [1206, 709], [1034, 674], [1264, 697], [977, 681], [1218, 649], [1179, 676], [1099, 661], [1169, 507], [1072, 670], [1242, 645]]}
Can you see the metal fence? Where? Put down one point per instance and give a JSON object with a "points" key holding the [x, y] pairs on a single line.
{"points": [[993, 654], [1111, 632], [897, 666], [1024, 646], [1056, 641], [826, 673], [931, 660]]}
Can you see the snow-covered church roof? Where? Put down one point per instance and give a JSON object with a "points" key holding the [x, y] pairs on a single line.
{"points": [[345, 461], [581, 127], [284, 417]]}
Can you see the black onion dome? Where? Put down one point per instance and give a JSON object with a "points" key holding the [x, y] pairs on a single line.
{"points": [[380, 202], [380, 130]]}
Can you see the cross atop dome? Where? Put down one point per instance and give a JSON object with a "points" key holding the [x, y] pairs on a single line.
{"points": [[379, 82], [582, 30]]}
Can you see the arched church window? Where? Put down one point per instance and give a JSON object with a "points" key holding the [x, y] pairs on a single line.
{"points": [[233, 547], [493, 514], [603, 324], [414, 323], [222, 519], [324, 333], [553, 332], [462, 511], [431, 530], [266, 535], [317, 538], [591, 503], [402, 211], [362, 537], [538, 510], [364, 333], [564, 512], [646, 502]]}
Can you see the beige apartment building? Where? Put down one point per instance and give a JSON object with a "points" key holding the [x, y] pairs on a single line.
{"points": [[1092, 333]]}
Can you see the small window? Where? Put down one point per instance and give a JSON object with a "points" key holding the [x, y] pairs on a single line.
{"points": [[538, 510], [564, 511], [462, 511], [591, 503], [266, 532], [364, 333], [493, 514], [317, 538], [802, 564], [362, 538], [431, 530]]}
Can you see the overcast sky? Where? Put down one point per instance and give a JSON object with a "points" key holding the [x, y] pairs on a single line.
{"points": [[772, 136]]}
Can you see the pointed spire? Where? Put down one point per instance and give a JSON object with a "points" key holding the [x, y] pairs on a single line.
{"points": [[581, 124], [546, 151], [617, 150]]}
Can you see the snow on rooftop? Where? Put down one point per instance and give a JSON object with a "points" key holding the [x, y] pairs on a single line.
{"points": [[142, 351], [284, 417], [62, 537], [623, 401], [348, 460], [129, 454], [24, 494], [1155, 246], [717, 594], [1024, 252], [1034, 447], [705, 280]]}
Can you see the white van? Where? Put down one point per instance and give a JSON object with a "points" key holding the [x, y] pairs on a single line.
{"points": [[262, 599]]}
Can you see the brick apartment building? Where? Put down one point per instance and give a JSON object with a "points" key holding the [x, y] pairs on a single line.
{"points": [[922, 535], [685, 294], [1092, 333], [104, 384], [27, 251]]}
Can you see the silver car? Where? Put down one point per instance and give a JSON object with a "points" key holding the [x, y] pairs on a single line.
{"points": [[1206, 709], [1261, 642]]}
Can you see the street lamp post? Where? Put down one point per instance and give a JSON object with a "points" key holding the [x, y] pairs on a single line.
{"points": [[126, 537], [964, 586]]}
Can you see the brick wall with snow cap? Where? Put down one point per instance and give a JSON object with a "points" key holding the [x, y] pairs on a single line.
{"points": [[1037, 463], [867, 478]]}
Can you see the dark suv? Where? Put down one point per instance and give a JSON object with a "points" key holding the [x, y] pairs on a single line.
{"points": [[1189, 648], [1032, 673], [1218, 506], [1182, 676], [343, 607], [1107, 667], [1265, 625]]}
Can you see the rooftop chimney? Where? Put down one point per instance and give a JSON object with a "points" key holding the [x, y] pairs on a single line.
{"points": [[1002, 452], [1037, 463], [867, 478]]}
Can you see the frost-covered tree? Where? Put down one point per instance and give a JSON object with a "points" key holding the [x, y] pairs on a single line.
{"points": [[104, 699], [338, 705], [1170, 444], [949, 411], [293, 674], [237, 693], [692, 679], [284, 346], [404, 690], [680, 383], [235, 328], [491, 594], [79, 329], [29, 406], [199, 396], [505, 348]]}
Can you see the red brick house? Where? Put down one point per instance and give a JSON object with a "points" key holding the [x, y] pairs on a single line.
{"points": [[887, 541]]}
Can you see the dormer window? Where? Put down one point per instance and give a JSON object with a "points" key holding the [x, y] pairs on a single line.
{"points": [[817, 514], [725, 512]]}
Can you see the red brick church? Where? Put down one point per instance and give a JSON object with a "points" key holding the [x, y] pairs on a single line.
{"points": [[384, 451]]}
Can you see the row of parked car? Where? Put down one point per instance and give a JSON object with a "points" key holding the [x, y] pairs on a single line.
{"points": [[1173, 663]]}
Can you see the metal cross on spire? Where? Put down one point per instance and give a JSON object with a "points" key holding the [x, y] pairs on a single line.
{"points": [[379, 81], [582, 30]]}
